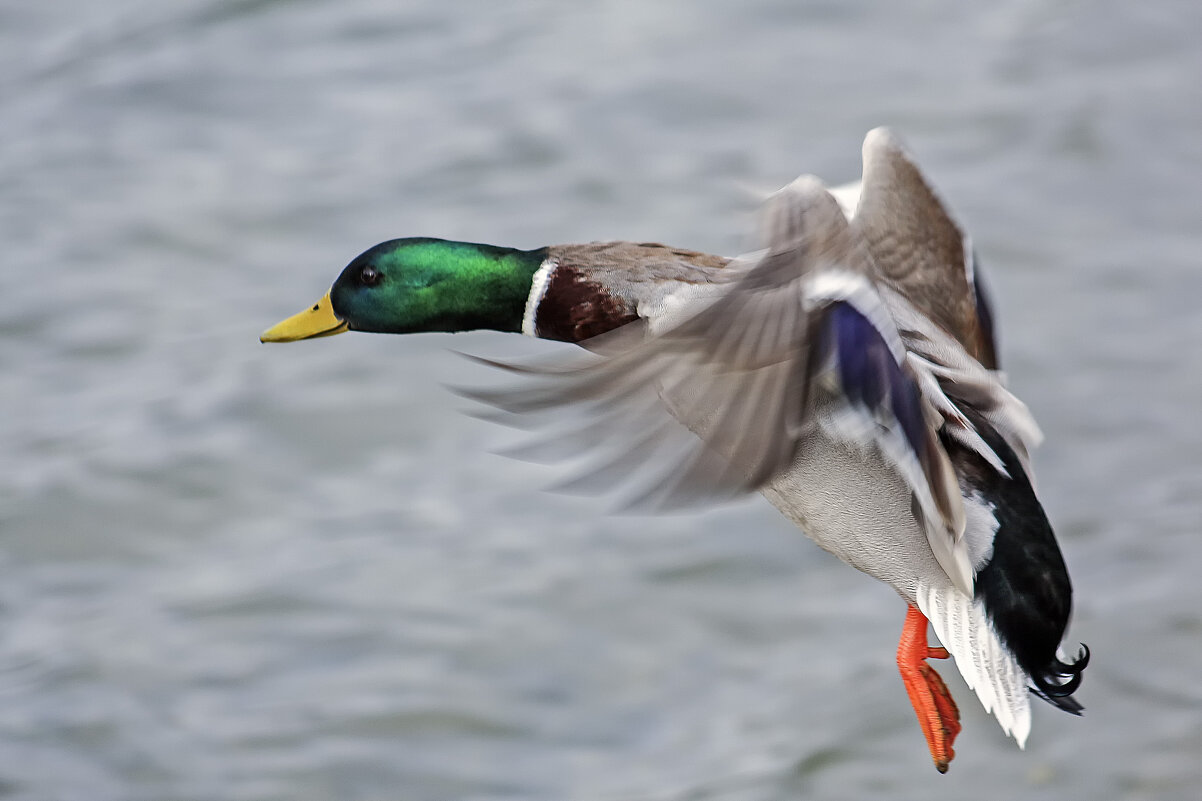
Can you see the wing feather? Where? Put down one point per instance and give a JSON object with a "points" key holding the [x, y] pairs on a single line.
{"points": [[742, 373]]}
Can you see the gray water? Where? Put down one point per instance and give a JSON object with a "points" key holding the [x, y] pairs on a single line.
{"points": [[233, 571]]}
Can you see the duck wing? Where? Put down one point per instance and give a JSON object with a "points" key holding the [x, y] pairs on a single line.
{"points": [[801, 339], [925, 264], [918, 247]]}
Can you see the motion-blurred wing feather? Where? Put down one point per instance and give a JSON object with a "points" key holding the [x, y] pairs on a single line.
{"points": [[743, 372]]}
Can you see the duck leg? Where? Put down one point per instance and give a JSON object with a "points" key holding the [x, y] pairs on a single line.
{"points": [[932, 702]]}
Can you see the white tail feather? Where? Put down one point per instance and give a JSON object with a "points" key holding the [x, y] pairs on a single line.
{"points": [[983, 661]]}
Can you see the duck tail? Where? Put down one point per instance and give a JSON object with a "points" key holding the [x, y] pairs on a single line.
{"points": [[988, 666], [1023, 583]]}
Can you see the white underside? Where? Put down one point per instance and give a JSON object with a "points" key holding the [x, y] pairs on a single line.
{"points": [[879, 536]]}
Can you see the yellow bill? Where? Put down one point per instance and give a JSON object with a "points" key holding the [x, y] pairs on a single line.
{"points": [[319, 321]]}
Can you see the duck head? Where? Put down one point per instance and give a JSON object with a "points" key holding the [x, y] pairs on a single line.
{"points": [[412, 285]]}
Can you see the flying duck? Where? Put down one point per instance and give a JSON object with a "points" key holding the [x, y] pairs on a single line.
{"points": [[848, 371]]}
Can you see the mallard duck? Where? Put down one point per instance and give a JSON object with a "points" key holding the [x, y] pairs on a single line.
{"points": [[848, 371]]}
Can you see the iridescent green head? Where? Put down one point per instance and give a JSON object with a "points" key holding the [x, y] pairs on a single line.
{"points": [[411, 285]]}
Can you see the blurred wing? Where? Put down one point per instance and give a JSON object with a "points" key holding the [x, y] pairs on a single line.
{"points": [[802, 330], [919, 248]]}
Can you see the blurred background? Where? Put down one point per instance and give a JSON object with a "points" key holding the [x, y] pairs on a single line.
{"points": [[234, 571]]}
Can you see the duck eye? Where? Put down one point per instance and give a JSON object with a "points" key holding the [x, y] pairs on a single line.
{"points": [[369, 276]]}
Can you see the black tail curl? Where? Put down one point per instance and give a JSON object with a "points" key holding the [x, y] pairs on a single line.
{"points": [[1058, 681]]}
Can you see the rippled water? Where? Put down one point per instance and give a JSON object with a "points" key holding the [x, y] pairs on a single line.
{"points": [[243, 572]]}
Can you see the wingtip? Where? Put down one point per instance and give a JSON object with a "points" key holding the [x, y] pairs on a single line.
{"points": [[801, 208], [882, 147], [881, 139], [805, 184]]}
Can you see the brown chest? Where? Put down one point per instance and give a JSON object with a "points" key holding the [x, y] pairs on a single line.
{"points": [[575, 306]]}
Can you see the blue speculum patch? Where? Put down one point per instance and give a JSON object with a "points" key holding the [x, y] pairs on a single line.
{"points": [[869, 374]]}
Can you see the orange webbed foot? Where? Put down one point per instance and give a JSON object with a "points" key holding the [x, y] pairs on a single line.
{"points": [[932, 702]]}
